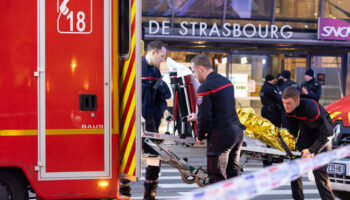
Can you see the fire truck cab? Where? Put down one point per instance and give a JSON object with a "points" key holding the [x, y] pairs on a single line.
{"points": [[69, 87]]}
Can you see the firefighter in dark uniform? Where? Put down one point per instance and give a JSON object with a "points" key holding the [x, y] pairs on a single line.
{"points": [[271, 109], [311, 124], [310, 88], [154, 106], [218, 119]]}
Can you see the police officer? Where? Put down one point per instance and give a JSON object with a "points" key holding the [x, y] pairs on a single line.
{"points": [[285, 82], [311, 125], [310, 88], [271, 109], [279, 80], [154, 106], [218, 119]]}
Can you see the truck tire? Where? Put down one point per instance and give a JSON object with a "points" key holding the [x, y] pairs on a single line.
{"points": [[4, 193], [343, 195], [12, 186]]}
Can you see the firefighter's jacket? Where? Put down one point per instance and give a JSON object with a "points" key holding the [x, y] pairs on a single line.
{"points": [[217, 115], [313, 124], [154, 94]]}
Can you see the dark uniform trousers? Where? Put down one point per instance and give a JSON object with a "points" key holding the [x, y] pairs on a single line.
{"points": [[322, 184], [321, 178], [224, 165], [152, 172]]}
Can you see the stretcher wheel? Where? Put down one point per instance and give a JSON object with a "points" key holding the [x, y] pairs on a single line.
{"points": [[202, 182], [187, 178]]}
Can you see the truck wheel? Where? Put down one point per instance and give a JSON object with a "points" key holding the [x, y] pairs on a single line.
{"points": [[342, 194], [187, 178], [12, 186], [4, 193], [202, 182]]}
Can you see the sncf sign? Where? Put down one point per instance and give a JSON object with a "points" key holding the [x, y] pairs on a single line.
{"points": [[333, 29]]}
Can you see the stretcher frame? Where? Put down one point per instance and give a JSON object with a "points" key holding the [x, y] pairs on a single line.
{"points": [[191, 174], [254, 149]]}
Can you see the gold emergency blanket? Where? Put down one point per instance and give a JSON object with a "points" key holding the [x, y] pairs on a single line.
{"points": [[262, 129]]}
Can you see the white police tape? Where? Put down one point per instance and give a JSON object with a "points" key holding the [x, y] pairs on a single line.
{"points": [[256, 183]]}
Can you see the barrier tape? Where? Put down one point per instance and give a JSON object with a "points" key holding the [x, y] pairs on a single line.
{"points": [[256, 183]]}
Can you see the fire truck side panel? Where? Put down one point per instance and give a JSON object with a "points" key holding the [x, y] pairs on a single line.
{"points": [[82, 189], [18, 86], [74, 67], [81, 153]]}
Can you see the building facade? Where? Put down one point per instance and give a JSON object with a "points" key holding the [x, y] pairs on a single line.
{"points": [[247, 39]]}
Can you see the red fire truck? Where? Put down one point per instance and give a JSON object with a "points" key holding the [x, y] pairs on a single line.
{"points": [[69, 88]]}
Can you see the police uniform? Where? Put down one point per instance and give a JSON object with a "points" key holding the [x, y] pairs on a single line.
{"points": [[154, 95], [313, 88], [286, 84], [271, 109], [314, 125], [217, 117]]}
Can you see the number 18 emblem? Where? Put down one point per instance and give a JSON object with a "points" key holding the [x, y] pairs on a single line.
{"points": [[74, 16]]}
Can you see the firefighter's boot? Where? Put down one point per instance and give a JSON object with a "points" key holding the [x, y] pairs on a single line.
{"points": [[150, 189], [125, 188]]}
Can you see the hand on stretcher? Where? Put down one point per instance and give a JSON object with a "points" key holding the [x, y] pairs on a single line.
{"points": [[199, 141], [192, 117], [166, 114], [306, 153]]}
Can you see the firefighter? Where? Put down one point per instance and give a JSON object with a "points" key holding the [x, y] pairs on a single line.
{"points": [[310, 88], [311, 124], [271, 109], [154, 106], [218, 119]]}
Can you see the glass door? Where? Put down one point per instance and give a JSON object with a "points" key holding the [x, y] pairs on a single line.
{"points": [[328, 72]]}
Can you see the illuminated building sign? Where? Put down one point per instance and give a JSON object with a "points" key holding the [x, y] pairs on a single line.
{"points": [[333, 29], [228, 30]]}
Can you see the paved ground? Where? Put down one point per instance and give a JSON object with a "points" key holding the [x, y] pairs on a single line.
{"points": [[171, 186]]}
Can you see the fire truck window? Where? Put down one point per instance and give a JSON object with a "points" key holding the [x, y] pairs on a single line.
{"points": [[124, 29]]}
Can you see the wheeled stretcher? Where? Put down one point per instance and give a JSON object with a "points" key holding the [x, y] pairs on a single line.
{"points": [[189, 173], [251, 149], [184, 104]]}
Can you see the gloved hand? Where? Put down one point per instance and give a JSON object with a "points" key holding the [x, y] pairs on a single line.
{"points": [[192, 117], [199, 141]]}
